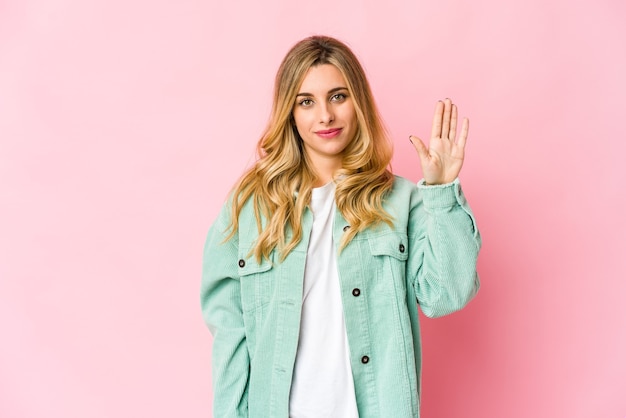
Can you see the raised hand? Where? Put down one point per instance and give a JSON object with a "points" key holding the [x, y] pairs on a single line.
{"points": [[443, 159]]}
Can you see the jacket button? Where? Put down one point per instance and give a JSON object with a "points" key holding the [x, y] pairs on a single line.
{"points": [[356, 292], [401, 248], [365, 359], [345, 228], [242, 263]]}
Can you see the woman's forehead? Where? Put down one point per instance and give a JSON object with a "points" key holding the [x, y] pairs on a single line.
{"points": [[321, 79]]}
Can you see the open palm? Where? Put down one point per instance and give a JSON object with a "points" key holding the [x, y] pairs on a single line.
{"points": [[443, 158]]}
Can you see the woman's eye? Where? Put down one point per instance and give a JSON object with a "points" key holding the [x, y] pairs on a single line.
{"points": [[338, 97], [306, 102]]}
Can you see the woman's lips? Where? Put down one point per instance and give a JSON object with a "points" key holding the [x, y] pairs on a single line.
{"points": [[329, 133]]}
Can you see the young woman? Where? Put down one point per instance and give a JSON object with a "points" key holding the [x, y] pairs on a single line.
{"points": [[315, 267]]}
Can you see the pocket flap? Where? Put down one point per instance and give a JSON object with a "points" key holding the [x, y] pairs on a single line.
{"points": [[393, 244], [248, 264]]}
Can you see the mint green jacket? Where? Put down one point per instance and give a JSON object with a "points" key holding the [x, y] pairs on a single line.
{"points": [[428, 258]]}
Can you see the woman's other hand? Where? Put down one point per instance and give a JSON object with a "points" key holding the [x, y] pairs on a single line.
{"points": [[443, 159]]}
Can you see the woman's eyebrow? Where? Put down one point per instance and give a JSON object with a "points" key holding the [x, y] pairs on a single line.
{"points": [[331, 91]]}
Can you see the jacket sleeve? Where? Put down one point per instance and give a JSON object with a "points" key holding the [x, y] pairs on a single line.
{"points": [[444, 248], [220, 300]]}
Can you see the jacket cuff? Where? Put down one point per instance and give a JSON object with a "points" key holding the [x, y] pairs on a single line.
{"points": [[442, 195]]}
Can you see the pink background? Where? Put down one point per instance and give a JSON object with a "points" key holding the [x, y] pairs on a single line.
{"points": [[123, 124]]}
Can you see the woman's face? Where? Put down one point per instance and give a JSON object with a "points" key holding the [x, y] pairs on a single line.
{"points": [[325, 118]]}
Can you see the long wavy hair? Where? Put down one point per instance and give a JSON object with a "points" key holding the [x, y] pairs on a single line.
{"points": [[280, 181]]}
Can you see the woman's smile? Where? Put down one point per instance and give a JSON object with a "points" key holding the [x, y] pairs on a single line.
{"points": [[329, 133]]}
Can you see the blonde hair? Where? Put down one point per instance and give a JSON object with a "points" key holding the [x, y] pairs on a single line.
{"points": [[280, 181]]}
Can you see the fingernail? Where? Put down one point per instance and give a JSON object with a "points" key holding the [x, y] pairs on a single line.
{"points": [[410, 140]]}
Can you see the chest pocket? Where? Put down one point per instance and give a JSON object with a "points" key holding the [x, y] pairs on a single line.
{"points": [[390, 250], [255, 279]]}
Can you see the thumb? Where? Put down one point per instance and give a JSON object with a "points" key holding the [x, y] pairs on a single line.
{"points": [[419, 146]]}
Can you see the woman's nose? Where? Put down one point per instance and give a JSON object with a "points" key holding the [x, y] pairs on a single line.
{"points": [[326, 114]]}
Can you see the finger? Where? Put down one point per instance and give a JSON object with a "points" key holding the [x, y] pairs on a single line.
{"points": [[464, 133], [453, 120], [437, 120], [445, 130], [419, 146]]}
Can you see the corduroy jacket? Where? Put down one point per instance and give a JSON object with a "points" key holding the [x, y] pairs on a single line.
{"points": [[428, 258]]}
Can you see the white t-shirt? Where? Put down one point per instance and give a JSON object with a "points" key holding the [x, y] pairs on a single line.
{"points": [[322, 383]]}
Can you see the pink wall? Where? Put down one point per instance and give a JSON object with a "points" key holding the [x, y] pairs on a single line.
{"points": [[124, 123]]}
